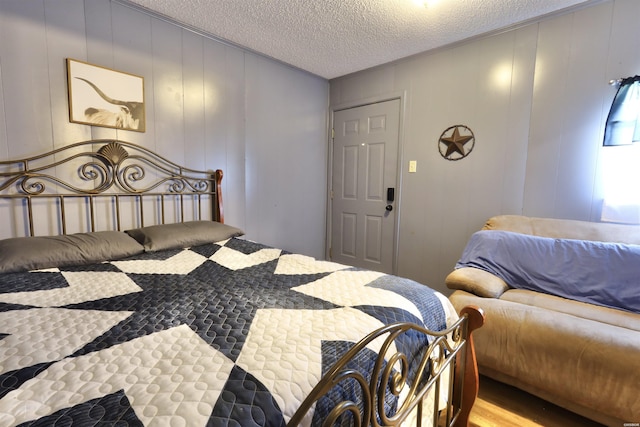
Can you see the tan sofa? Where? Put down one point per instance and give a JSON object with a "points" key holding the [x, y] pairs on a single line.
{"points": [[583, 357]]}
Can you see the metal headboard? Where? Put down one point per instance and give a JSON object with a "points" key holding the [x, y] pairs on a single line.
{"points": [[113, 172]]}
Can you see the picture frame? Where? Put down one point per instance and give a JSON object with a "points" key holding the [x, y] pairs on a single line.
{"points": [[99, 96]]}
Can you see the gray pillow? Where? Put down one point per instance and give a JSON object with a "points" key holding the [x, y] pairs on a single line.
{"points": [[32, 253], [182, 235]]}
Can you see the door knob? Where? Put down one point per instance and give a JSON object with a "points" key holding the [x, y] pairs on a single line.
{"points": [[389, 208]]}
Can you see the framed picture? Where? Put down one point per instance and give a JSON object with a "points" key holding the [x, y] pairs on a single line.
{"points": [[100, 96]]}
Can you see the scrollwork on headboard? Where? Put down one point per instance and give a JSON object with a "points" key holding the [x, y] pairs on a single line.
{"points": [[116, 169]]}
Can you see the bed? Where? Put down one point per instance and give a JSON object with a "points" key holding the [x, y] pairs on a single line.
{"points": [[157, 313]]}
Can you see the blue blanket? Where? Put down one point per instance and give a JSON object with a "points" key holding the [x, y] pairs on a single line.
{"points": [[606, 274]]}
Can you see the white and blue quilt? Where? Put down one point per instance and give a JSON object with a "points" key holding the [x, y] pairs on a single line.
{"points": [[233, 333]]}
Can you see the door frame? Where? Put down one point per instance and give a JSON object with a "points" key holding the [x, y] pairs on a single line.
{"points": [[400, 95]]}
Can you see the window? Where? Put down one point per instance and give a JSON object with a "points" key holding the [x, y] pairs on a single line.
{"points": [[621, 171], [623, 122]]}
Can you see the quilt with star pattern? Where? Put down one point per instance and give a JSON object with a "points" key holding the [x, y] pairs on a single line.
{"points": [[233, 333]]}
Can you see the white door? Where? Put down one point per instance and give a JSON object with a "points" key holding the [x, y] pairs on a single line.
{"points": [[364, 192]]}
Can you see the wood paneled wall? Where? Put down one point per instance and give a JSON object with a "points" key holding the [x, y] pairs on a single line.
{"points": [[536, 98], [209, 105]]}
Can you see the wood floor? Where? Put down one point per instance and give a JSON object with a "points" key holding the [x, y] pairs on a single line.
{"points": [[500, 405]]}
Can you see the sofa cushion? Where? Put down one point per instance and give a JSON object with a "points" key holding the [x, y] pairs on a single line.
{"points": [[565, 228], [476, 281], [595, 272], [611, 316]]}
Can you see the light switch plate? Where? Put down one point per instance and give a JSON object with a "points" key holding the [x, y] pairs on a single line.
{"points": [[413, 165]]}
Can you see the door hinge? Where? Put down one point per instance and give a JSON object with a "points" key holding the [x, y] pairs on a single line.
{"points": [[333, 133], [330, 253]]}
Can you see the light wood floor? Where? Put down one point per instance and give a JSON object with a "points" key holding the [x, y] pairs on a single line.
{"points": [[501, 405]]}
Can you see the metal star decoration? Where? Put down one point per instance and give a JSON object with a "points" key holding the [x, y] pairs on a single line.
{"points": [[453, 140]]}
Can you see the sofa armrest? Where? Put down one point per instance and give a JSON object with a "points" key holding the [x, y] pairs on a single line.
{"points": [[476, 281]]}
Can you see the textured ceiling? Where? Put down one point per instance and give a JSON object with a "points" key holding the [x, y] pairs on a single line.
{"points": [[331, 38]]}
